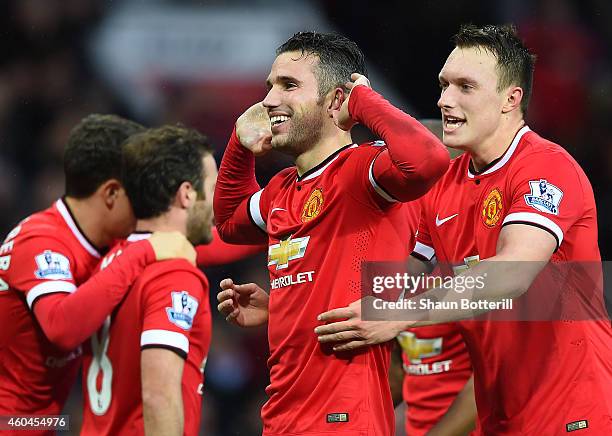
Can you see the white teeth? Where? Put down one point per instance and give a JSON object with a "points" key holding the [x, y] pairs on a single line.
{"points": [[277, 119]]}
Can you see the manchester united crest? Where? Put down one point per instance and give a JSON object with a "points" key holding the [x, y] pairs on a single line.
{"points": [[492, 208], [313, 205]]}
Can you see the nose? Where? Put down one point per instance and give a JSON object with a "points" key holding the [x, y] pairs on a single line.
{"points": [[447, 98], [272, 99]]}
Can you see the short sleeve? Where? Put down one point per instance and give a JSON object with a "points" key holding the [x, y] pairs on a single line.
{"points": [[546, 192], [171, 304], [41, 265]]}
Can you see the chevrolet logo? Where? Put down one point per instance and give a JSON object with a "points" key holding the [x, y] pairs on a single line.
{"points": [[288, 249], [417, 349]]}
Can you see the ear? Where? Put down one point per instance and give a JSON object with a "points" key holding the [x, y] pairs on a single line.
{"points": [[110, 191], [514, 96], [186, 196], [334, 101]]}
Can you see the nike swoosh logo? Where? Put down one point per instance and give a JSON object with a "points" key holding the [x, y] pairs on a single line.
{"points": [[439, 221], [277, 208]]}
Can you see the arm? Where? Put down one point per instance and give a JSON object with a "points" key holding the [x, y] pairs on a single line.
{"points": [[236, 181], [460, 418], [221, 253], [88, 305], [396, 375], [162, 398], [414, 158], [508, 274]]}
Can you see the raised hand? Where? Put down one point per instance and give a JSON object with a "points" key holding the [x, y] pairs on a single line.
{"points": [[253, 130], [343, 118]]}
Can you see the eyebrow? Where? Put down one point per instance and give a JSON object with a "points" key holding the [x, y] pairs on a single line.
{"points": [[442, 78], [282, 79]]}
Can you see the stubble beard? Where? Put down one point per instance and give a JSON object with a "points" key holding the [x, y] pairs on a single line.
{"points": [[306, 130]]}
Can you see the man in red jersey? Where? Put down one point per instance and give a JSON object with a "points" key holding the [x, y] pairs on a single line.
{"points": [[430, 366], [339, 200], [513, 196], [47, 308], [166, 314]]}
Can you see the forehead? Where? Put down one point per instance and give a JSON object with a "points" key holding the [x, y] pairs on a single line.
{"points": [[475, 63], [293, 64]]}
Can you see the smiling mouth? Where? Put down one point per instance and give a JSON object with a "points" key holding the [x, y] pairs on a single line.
{"points": [[453, 123], [277, 120]]}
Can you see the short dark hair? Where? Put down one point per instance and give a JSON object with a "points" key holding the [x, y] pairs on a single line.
{"points": [[156, 162], [515, 62], [339, 57], [93, 152]]}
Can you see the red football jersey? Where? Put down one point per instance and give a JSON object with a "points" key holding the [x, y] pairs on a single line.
{"points": [[321, 227], [530, 377], [167, 307], [437, 366], [45, 253]]}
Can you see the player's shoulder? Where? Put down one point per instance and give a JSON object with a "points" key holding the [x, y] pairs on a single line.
{"points": [[284, 176], [178, 271], [538, 150], [539, 153]]}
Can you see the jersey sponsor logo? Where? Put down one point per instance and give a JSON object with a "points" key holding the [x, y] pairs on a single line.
{"points": [[293, 279], [183, 310], [576, 425], [544, 196], [492, 208], [288, 249], [468, 262], [52, 266], [439, 221], [428, 368], [417, 349], [313, 205]]}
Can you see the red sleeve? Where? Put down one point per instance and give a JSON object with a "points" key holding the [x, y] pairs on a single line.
{"points": [[547, 192], [171, 303], [236, 184], [221, 253], [424, 249], [42, 265], [59, 314], [414, 158]]}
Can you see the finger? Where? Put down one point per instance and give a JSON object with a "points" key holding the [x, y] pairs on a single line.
{"points": [[226, 307], [246, 289], [226, 283], [335, 327], [352, 345], [343, 336], [343, 312], [232, 316], [228, 294], [356, 76]]}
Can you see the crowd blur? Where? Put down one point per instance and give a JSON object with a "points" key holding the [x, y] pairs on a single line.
{"points": [[51, 77]]}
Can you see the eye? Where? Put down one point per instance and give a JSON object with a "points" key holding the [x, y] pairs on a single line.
{"points": [[290, 85], [466, 87]]}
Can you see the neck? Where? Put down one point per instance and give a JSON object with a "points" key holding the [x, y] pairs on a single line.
{"points": [[173, 220], [86, 213], [495, 145], [320, 151]]}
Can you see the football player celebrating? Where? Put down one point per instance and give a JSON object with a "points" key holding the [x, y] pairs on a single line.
{"points": [[507, 207], [341, 204]]}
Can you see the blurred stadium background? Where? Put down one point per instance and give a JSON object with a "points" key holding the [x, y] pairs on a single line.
{"points": [[202, 63]]}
